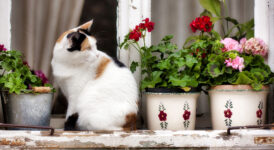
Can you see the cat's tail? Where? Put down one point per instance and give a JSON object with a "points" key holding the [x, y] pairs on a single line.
{"points": [[70, 123]]}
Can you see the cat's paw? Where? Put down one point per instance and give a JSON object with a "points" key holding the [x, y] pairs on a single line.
{"points": [[70, 123]]}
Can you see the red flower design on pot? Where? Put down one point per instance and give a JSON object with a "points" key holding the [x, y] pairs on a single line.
{"points": [[259, 113], [228, 113], [162, 116], [186, 115]]}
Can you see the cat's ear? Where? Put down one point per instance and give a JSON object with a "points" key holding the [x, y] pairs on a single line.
{"points": [[87, 25]]}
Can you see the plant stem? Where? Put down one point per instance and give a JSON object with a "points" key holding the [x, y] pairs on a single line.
{"points": [[144, 39], [132, 43]]}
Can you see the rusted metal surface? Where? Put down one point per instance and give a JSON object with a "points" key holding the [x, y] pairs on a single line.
{"points": [[258, 139], [263, 126]]}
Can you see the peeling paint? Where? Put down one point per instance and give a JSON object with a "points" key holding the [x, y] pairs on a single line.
{"points": [[69, 144], [264, 140], [13, 142], [154, 144]]}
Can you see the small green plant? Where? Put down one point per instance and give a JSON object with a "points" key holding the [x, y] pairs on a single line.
{"points": [[16, 76], [164, 65]]}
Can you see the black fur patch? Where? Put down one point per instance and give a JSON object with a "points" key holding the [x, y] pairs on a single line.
{"points": [[76, 38], [118, 63], [70, 123]]}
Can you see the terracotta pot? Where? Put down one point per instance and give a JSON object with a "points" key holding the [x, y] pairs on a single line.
{"points": [[171, 111], [237, 105]]}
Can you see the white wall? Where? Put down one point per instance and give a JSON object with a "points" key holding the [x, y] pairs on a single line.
{"points": [[5, 27], [5, 30]]}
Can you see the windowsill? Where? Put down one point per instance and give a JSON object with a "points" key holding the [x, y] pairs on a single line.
{"points": [[138, 139], [243, 138]]}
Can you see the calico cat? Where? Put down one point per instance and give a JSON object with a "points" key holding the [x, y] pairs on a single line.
{"points": [[102, 93]]}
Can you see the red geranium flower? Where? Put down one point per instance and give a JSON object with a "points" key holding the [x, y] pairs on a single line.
{"points": [[150, 26], [146, 20], [259, 113], [201, 23], [186, 115], [142, 26], [228, 113], [135, 35], [203, 55], [162, 116]]}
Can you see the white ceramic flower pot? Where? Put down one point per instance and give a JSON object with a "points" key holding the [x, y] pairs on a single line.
{"points": [[237, 105], [171, 111]]}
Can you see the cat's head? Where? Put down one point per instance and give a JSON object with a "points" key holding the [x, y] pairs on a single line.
{"points": [[76, 43]]}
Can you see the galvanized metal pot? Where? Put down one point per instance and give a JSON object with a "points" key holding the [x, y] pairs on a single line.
{"points": [[237, 105], [28, 109], [171, 110]]}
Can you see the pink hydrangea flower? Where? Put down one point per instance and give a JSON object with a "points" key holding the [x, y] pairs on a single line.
{"points": [[255, 46], [231, 44], [237, 63], [242, 41]]}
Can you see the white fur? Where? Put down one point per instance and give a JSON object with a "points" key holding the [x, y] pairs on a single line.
{"points": [[101, 103]]}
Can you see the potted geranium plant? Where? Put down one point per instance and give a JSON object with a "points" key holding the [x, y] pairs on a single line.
{"points": [[170, 78], [26, 95], [237, 76]]}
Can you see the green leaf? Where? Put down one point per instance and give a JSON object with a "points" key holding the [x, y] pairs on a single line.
{"points": [[243, 78], [164, 64], [186, 81], [206, 13], [214, 69], [133, 66], [180, 62], [232, 20], [216, 35], [249, 34], [257, 86], [190, 61], [150, 83], [189, 39], [167, 38], [125, 42], [213, 6], [177, 81]]}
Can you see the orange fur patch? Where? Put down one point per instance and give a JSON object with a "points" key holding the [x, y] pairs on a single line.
{"points": [[85, 45], [86, 25], [62, 36], [131, 120], [102, 66]]}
